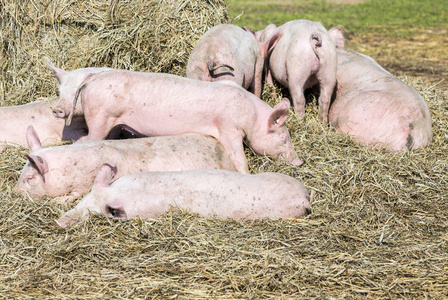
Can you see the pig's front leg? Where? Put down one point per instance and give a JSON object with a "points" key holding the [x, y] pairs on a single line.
{"points": [[99, 127], [69, 198], [257, 82], [234, 147], [268, 77]]}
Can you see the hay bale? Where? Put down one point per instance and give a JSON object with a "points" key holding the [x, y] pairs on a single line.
{"points": [[154, 36]]}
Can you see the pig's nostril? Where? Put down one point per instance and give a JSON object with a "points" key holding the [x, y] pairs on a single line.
{"points": [[58, 113]]}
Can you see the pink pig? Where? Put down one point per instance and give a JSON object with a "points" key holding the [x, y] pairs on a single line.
{"points": [[16, 119], [69, 82], [303, 57], [209, 193], [68, 171], [229, 52], [375, 107], [162, 104]]}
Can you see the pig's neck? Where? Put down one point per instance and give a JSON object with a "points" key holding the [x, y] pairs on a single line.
{"points": [[258, 122]]}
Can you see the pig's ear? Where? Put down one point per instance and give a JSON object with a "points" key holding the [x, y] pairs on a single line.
{"points": [[58, 73], [337, 36], [38, 163], [32, 139], [249, 30], [105, 175], [280, 114], [269, 45]]}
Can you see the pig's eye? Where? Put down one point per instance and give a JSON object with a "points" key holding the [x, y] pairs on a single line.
{"points": [[115, 212], [30, 179]]}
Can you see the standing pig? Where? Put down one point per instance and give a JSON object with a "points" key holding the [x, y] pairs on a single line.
{"points": [[228, 52], [16, 119], [209, 193], [68, 171], [375, 107], [304, 56], [69, 82], [157, 104]]}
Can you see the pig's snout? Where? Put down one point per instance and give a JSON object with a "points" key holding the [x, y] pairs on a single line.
{"points": [[59, 113], [297, 162], [61, 222], [72, 217], [66, 221]]}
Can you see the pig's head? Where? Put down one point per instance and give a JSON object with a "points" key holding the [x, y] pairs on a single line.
{"points": [[69, 83], [101, 200], [32, 178], [271, 137]]}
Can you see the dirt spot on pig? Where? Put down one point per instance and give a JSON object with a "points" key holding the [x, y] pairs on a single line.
{"points": [[219, 153], [409, 141]]}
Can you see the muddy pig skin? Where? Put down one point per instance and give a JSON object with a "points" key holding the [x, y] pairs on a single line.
{"points": [[209, 193], [157, 104], [69, 82], [229, 52], [303, 57], [374, 107], [68, 171], [51, 130]]}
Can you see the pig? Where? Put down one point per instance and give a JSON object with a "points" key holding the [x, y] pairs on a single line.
{"points": [[67, 172], [69, 81], [373, 106], [157, 104], [16, 119], [209, 193], [230, 52], [303, 57]]}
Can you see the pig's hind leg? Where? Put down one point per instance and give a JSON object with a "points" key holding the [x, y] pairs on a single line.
{"points": [[327, 82], [298, 98]]}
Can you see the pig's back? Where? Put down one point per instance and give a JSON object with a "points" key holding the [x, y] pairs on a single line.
{"points": [[221, 193]]}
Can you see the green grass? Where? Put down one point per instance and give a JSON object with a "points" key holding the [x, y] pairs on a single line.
{"points": [[362, 18]]}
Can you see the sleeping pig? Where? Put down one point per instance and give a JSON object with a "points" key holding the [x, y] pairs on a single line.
{"points": [[229, 52], [374, 107], [68, 171], [16, 119], [209, 193]]}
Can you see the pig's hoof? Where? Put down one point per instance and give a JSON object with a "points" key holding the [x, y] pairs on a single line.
{"points": [[300, 115], [65, 199]]}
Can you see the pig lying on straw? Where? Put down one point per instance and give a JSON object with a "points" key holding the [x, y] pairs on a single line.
{"points": [[68, 171], [374, 107], [209, 193]]}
